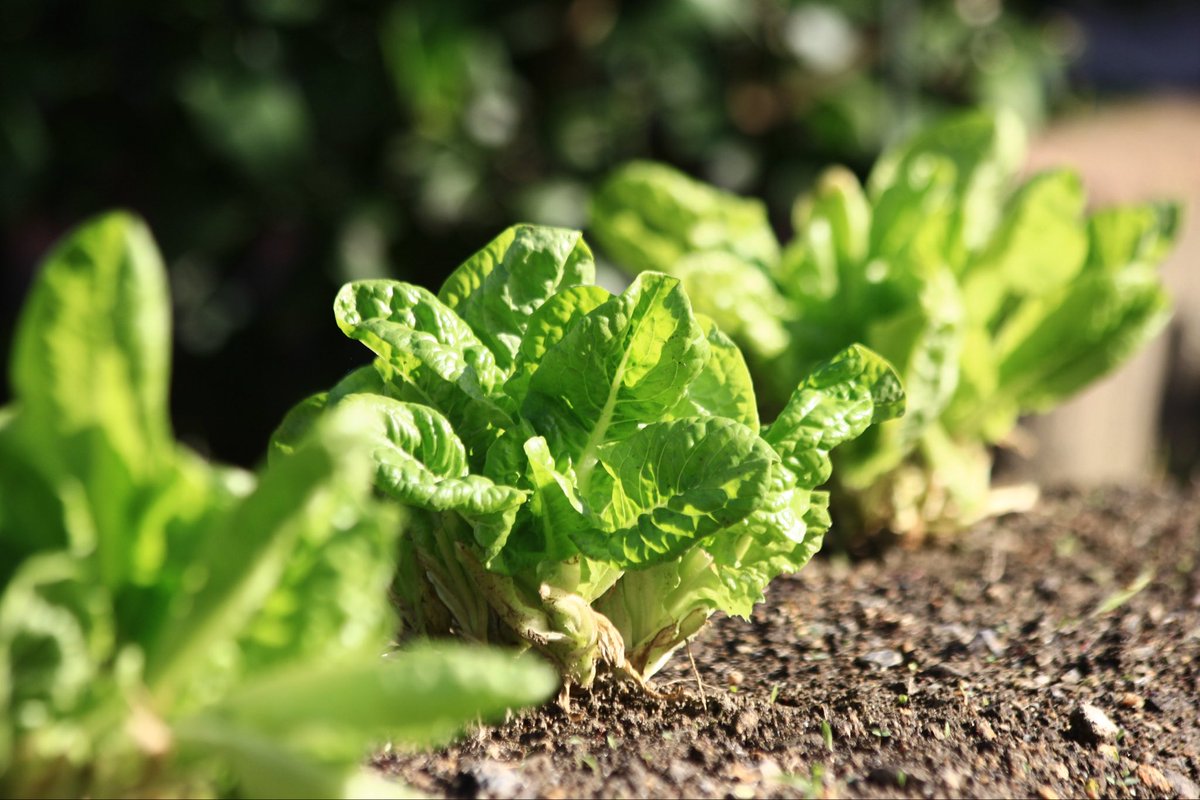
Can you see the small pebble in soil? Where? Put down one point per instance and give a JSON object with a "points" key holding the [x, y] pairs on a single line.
{"points": [[880, 659], [1091, 725], [1048, 587], [1140, 655], [957, 636], [1131, 700], [987, 639]]}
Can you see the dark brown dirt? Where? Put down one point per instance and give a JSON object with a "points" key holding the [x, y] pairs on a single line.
{"points": [[1049, 654]]}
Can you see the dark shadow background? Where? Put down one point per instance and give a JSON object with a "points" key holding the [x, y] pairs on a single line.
{"points": [[280, 147]]}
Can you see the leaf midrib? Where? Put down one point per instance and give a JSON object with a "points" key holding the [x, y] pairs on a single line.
{"points": [[587, 456]]}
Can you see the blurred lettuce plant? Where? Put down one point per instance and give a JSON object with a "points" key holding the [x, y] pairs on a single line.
{"points": [[994, 298], [169, 627]]}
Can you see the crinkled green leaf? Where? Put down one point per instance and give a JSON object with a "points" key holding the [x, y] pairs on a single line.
{"points": [[506, 462], [723, 388], [546, 327], [544, 540], [670, 484], [497, 289], [557, 515], [623, 365], [420, 460], [434, 354], [779, 537], [833, 405], [411, 330], [658, 608]]}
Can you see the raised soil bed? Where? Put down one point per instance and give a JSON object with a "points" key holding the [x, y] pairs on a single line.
{"points": [[1049, 654]]}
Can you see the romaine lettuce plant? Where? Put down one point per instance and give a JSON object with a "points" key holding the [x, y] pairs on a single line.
{"points": [[993, 299], [169, 627], [587, 471]]}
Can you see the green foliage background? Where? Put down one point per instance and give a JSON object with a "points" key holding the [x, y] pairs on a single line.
{"points": [[280, 147]]}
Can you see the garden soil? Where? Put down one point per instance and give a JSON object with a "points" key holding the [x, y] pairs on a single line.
{"points": [[1054, 653]]}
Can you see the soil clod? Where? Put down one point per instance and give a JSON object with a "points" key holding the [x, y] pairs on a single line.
{"points": [[1090, 725]]}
